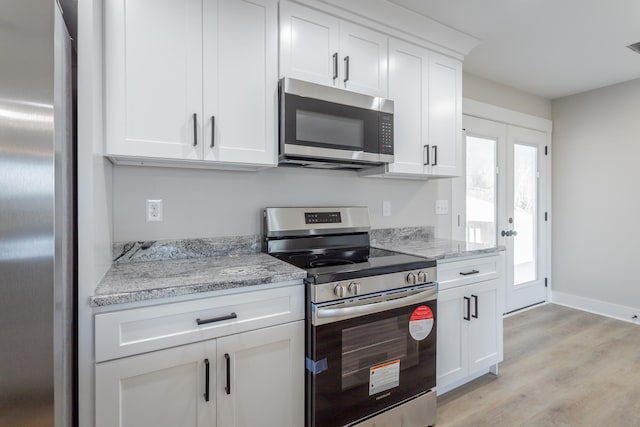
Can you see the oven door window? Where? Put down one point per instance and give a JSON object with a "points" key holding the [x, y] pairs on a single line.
{"points": [[322, 124], [373, 362]]}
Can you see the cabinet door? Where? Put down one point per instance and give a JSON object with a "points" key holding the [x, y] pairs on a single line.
{"points": [[445, 115], [240, 81], [153, 78], [363, 60], [266, 373], [485, 328], [308, 42], [452, 353], [408, 88], [160, 389]]}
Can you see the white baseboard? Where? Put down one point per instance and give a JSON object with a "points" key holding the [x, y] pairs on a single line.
{"points": [[615, 311]]}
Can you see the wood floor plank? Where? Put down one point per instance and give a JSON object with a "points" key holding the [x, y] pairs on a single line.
{"points": [[562, 367]]}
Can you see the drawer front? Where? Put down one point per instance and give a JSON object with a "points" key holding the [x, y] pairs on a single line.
{"points": [[459, 273], [124, 333]]}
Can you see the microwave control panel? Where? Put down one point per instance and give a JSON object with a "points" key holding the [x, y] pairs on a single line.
{"points": [[386, 133]]}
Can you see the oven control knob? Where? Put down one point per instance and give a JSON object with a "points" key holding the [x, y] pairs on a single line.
{"points": [[340, 291], [422, 277], [411, 278], [354, 288]]}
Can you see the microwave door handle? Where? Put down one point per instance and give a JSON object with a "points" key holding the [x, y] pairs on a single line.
{"points": [[376, 307]]}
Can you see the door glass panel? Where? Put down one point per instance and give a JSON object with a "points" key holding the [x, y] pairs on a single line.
{"points": [[481, 190], [525, 208]]}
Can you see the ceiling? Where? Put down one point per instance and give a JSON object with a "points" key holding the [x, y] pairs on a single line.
{"points": [[551, 48]]}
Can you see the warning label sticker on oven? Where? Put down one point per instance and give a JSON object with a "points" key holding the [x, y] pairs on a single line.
{"points": [[384, 377], [421, 323]]}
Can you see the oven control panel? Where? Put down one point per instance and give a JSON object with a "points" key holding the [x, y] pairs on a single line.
{"points": [[322, 218], [333, 291]]}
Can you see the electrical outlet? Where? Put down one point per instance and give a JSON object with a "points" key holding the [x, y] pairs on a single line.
{"points": [[442, 207], [154, 210], [386, 208]]}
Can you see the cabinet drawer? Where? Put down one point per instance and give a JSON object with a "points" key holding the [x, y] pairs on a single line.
{"points": [[135, 331], [458, 273]]}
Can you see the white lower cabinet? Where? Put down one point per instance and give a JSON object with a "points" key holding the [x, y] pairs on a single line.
{"points": [[162, 388], [233, 360], [469, 328], [264, 370]]}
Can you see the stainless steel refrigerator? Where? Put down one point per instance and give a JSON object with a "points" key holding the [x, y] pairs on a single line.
{"points": [[37, 237]]}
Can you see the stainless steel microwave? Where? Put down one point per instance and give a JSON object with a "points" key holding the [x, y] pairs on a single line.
{"points": [[326, 127]]}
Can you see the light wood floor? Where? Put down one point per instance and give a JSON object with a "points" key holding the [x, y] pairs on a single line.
{"points": [[562, 367]]}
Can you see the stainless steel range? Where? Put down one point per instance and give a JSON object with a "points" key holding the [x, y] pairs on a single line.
{"points": [[370, 324]]}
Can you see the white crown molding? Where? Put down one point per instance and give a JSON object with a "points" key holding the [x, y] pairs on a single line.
{"points": [[471, 107], [400, 22]]}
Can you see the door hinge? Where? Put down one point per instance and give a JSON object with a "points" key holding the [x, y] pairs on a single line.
{"points": [[546, 217], [546, 150], [545, 282]]}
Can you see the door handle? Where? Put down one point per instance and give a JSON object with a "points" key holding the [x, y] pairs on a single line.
{"points": [[425, 158], [213, 131], [435, 156], [346, 68], [468, 316], [195, 129], [228, 386], [206, 380], [475, 303], [335, 66]]}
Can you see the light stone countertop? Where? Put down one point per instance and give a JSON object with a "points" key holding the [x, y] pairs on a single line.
{"points": [[420, 241], [140, 281], [439, 249]]}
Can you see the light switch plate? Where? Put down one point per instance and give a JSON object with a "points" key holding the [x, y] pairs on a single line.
{"points": [[442, 207]]}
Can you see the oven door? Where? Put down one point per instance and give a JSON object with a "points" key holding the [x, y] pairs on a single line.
{"points": [[363, 365]]}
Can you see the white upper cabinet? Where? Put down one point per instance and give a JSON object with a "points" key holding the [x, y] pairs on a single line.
{"points": [[322, 49], [408, 88], [174, 68], [240, 81], [364, 60], [153, 86], [445, 115], [308, 44], [426, 89]]}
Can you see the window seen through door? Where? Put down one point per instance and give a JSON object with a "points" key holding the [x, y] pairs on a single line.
{"points": [[481, 190]]}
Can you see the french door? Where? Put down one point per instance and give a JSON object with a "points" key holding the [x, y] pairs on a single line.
{"points": [[504, 202]]}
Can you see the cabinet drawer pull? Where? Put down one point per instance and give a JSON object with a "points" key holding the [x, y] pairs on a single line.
{"points": [[467, 273], [468, 315], [425, 158], [228, 386], [216, 319], [475, 302], [206, 380], [335, 66], [435, 156]]}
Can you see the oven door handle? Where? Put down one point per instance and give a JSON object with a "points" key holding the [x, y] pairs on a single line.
{"points": [[376, 307]]}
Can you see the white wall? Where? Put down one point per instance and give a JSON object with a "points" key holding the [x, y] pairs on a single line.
{"points": [[596, 199], [490, 92], [207, 203]]}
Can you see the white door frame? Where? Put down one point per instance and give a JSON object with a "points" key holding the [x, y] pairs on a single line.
{"points": [[494, 113]]}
